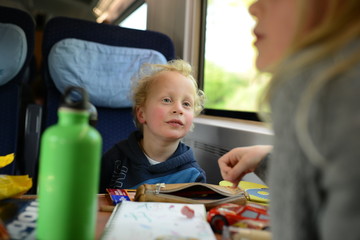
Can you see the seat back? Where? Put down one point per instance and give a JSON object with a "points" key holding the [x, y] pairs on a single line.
{"points": [[102, 59], [17, 29]]}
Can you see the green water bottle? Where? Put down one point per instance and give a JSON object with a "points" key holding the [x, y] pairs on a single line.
{"points": [[70, 156]]}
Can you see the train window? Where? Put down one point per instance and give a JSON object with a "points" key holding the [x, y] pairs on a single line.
{"points": [[231, 81], [137, 19]]}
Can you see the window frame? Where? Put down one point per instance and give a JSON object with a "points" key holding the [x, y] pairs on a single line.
{"points": [[244, 115], [128, 11]]}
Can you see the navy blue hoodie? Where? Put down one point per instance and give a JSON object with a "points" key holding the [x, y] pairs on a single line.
{"points": [[126, 166]]}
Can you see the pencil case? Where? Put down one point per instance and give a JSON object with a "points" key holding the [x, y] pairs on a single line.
{"points": [[193, 193]]}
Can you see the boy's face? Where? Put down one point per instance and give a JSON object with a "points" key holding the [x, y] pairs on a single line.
{"points": [[169, 108]]}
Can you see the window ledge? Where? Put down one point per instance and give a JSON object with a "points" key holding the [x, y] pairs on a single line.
{"points": [[236, 124]]}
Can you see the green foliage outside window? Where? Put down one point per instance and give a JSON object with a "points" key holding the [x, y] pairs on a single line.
{"points": [[230, 91], [230, 80]]}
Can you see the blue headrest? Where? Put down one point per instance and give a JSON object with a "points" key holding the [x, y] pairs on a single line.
{"points": [[104, 71], [13, 50]]}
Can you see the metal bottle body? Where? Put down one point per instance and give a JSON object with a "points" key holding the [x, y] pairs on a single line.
{"points": [[68, 178]]}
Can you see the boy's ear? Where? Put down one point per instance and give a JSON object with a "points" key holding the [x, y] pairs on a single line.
{"points": [[140, 115]]}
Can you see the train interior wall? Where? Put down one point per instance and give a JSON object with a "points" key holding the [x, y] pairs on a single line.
{"points": [[214, 136]]}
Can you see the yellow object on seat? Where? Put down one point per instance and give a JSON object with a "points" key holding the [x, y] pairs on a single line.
{"points": [[11, 186], [6, 160]]}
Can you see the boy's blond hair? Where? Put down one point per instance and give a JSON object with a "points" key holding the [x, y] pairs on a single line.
{"points": [[148, 75]]}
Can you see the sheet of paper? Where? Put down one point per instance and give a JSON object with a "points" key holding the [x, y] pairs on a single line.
{"points": [[157, 221]]}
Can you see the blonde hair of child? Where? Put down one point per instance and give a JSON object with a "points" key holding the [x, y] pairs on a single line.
{"points": [[149, 73]]}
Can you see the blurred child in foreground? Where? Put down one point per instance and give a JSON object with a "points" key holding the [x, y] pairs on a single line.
{"points": [[312, 49]]}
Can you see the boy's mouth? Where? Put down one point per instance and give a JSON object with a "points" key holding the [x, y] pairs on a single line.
{"points": [[175, 122]]}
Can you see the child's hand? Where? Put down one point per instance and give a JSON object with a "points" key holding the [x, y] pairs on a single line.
{"points": [[240, 161]]}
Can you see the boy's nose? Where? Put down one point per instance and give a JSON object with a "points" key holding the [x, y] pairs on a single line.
{"points": [[179, 112], [178, 108]]}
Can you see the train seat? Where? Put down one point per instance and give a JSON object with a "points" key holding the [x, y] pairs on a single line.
{"points": [[17, 29], [103, 59]]}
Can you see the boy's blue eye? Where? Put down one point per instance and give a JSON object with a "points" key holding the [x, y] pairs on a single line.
{"points": [[166, 100], [187, 104]]}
